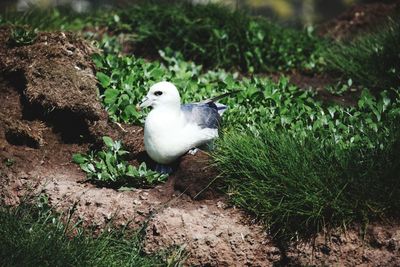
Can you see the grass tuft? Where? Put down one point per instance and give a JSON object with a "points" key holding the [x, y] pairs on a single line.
{"points": [[372, 60], [298, 188], [30, 236]]}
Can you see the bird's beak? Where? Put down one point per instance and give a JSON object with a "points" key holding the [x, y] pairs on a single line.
{"points": [[143, 104]]}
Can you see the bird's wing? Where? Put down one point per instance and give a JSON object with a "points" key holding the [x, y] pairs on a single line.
{"points": [[205, 115]]}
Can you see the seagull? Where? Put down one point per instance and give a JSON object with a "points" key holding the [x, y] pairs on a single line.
{"points": [[171, 129]]}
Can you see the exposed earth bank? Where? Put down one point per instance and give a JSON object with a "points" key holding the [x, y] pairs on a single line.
{"points": [[50, 110]]}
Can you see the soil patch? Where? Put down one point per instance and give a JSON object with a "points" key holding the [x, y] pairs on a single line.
{"points": [[359, 19], [380, 247], [217, 236]]}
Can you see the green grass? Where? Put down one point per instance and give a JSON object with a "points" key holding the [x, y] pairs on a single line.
{"points": [[297, 188], [372, 60], [31, 236]]}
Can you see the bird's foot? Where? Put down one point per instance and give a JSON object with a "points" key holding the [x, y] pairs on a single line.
{"points": [[193, 151], [163, 169]]}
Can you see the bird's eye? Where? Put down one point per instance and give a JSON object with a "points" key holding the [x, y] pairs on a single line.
{"points": [[157, 93]]}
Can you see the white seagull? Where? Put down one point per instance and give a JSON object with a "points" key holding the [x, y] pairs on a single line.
{"points": [[172, 129]]}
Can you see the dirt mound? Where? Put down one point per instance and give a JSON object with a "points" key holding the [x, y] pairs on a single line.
{"points": [[358, 19], [197, 177], [55, 72], [212, 234]]}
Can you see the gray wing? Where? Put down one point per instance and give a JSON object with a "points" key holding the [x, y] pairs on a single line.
{"points": [[203, 114]]}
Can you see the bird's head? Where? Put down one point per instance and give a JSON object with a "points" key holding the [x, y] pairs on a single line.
{"points": [[162, 94]]}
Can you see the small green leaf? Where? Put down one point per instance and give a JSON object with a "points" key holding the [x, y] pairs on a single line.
{"points": [[104, 80], [79, 158], [108, 141], [110, 96]]}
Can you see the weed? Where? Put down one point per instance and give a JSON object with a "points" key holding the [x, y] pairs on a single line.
{"points": [[109, 166], [340, 88], [9, 162], [124, 81], [21, 36]]}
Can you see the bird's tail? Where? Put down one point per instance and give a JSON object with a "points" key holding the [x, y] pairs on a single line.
{"points": [[216, 98], [221, 108]]}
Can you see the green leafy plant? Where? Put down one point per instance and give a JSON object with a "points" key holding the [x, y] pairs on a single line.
{"points": [[8, 162], [21, 36], [214, 36], [125, 80], [109, 166], [211, 35], [340, 88]]}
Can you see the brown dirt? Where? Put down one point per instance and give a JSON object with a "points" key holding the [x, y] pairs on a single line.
{"points": [[50, 111], [381, 247], [214, 235], [358, 20], [56, 72], [196, 177]]}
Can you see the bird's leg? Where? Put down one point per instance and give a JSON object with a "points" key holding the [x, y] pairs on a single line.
{"points": [[163, 169], [193, 151]]}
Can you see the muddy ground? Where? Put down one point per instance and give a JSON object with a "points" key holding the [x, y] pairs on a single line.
{"points": [[50, 110], [360, 19]]}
